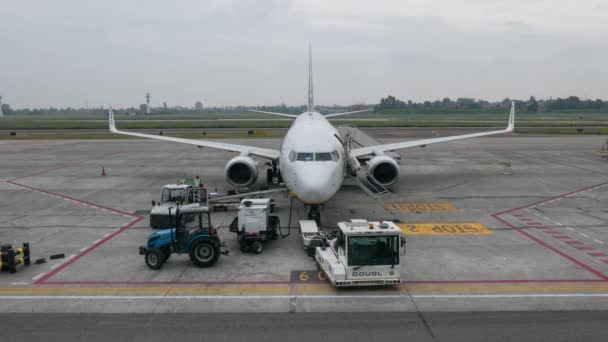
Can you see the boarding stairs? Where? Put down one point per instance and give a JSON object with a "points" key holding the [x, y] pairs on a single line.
{"points": [[374, 189]]}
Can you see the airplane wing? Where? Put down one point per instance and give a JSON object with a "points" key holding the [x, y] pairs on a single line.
{"points": [[345, 113], [293, 116], [378, 149], [243, 149]]}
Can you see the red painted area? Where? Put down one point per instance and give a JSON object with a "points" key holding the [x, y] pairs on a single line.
{"points": [[549, 199], [585, 248], [551, 232], [573, 242], [318, 282], [561, 237], [45, 279], [598, 254]]}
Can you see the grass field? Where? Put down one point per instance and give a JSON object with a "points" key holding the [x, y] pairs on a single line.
{"points": [[108, 135], [261, 134], [590, 123]]}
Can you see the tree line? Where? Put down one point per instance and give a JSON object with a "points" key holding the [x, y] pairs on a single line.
{"points": [[389, 104], [468, 105]]}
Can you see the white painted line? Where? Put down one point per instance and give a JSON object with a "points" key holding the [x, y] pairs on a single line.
{"points": [[71, 256], [570, 229], [105, 236], [83, 248], [96, 241], [584, 235], [598, 241], [20, 283], [429, 296], [38, 277], [55, 266], [546, 218], [557, 223]]}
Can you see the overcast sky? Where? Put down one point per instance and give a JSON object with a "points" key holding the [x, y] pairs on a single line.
{"points": [[110, 52]]}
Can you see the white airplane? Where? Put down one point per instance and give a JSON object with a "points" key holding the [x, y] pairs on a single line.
{"points": [[313, 160]]}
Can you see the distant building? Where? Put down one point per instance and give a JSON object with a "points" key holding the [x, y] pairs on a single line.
{"points": [[541, 107], [165, 106], [1, 113], [143, 108], [198, 106]]}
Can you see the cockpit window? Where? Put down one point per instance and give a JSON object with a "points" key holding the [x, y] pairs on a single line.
{"points": [[305, 156], [335, 155], [323, 156], [317, 156]]}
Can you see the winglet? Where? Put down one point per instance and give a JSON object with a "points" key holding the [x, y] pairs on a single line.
{"points": [[511, 125], [111, 121], [311, 103]]}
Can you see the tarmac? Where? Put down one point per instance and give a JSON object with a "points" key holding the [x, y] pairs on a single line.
{"points": [[509, 223], [555, 326]]}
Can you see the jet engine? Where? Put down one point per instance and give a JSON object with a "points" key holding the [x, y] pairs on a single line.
{"points": [[241, 171], [384, 170]]}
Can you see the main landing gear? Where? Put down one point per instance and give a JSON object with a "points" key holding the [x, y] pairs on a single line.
{"points": [[273, 174]]}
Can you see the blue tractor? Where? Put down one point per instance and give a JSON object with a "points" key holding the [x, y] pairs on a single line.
{"points": [[192, 234]]}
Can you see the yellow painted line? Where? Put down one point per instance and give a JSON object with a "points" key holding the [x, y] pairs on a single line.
{"points": [[506, 288], [444, 228], [232, 289], [150, 290], [316, 289], [420, 206]]}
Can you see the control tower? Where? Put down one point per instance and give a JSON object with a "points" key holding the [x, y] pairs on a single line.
{"points": [[148, 103]]}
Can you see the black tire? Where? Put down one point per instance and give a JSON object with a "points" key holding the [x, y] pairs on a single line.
{"points": [[269, 176], [204, 252], [167, 253], [257, 247], [243, 246], [155, 259]]}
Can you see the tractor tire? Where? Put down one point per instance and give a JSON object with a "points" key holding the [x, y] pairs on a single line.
{"points": [[167, 253], [204, 252], [257, 247], [155, 259]]}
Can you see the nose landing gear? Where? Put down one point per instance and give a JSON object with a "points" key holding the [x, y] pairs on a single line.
{"points": [[314, 213]]}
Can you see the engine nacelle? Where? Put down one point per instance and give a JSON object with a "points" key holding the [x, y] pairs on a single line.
{"points": [[241, 171], [384, 170]]}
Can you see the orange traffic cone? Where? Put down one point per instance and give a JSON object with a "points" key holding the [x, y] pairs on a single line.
{"points": [[103, 171]]}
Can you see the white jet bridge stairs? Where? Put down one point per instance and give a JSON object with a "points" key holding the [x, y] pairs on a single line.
{"points": [[355, 136], [371, 187]]}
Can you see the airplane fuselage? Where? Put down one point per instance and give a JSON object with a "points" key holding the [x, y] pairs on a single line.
{"points": [[312, 160]]}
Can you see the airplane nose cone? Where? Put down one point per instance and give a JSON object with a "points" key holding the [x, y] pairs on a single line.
{"points": [[315, 185]]}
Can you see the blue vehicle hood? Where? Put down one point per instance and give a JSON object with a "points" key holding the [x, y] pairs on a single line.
{"points": [[161, 237]]}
